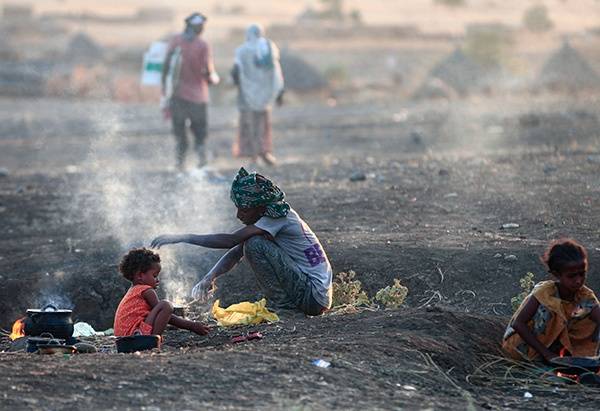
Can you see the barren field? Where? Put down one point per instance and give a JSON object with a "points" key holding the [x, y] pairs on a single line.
{"points": [[84, 181]]}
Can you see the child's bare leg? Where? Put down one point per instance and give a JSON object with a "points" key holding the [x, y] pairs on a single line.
{"points": [[159, 317]]}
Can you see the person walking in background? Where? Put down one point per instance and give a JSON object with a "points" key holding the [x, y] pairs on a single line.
{"points": [[187, 72], [257, 74]]}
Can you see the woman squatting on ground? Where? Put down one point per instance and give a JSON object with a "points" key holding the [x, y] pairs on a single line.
{"points": [[285, 255]]}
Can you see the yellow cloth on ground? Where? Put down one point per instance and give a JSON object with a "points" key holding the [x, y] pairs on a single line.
{"points": [[567, 322], [244, 313]]}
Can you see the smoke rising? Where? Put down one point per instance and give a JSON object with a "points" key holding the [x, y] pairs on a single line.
{"points": [[135, 199]]}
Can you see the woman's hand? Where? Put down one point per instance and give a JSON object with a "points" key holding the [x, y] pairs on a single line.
{"points": [[164, 240], [202, 290], [199, 328]]}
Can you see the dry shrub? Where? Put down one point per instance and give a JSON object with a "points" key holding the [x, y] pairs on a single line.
{"points": [[536, 19], [392, 296], [526, 283], [489, 44], [451, 3], [348, 291]]}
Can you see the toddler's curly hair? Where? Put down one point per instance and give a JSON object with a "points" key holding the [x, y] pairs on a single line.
{"points": [[137, 260]]}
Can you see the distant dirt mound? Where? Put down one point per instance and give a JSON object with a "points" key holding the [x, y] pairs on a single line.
{"points": [[19, 79], [434, 88], [457, 72], [83, 49], [567, 70], [300, 75], [7, 52]]}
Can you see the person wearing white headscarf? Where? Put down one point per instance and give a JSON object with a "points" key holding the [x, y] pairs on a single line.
{"points": [[257, 73]]}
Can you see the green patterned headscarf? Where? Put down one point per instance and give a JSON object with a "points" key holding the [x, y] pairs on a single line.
{"points": [[254, 190]]}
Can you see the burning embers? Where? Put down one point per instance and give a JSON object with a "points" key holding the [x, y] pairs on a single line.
{"points": [[18, 329], [577, 369]]}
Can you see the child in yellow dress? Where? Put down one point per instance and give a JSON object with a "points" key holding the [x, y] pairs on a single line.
{"points": [[560, 316]]}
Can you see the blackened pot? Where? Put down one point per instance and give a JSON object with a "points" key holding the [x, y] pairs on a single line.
{"points": [[50, 320]]}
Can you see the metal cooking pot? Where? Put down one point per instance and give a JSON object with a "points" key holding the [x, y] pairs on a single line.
{"points": [[49, 320]]}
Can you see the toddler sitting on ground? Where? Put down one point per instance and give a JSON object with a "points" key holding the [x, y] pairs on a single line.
{"points": [[140, 311]]}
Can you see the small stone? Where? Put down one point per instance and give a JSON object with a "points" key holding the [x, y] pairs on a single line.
{"points": [[594, 159], [497, 255], [358, 176], [451, 195], [85, 348], [416, 138], [495, 129], [549, 169], [509, 226], [4, 172], [443, 172], [510, 257]]}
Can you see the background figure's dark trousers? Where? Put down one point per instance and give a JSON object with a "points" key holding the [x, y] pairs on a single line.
{"points": [[196, 113]]}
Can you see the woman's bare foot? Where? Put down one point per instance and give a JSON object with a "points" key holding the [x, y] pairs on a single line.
{"points": [[269, 159]]}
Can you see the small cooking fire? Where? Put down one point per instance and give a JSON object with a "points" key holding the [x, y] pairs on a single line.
{"points": [[18, 329], [572, 377]]}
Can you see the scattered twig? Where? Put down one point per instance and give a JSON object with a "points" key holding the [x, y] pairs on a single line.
{"points": [[439, 270], [461, 292], [436, 294], [505, 372], [494, 308], [466, 394]]}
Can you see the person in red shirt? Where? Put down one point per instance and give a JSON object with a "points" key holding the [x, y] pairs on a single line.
{"points": [[140, 311], [187, 72]]}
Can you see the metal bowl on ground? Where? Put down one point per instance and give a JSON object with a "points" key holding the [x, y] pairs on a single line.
{"points": [[576, 365], [133, 343], [49, 320]]}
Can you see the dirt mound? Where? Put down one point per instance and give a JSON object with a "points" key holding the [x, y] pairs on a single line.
{"points": [[300, 75], [21, 79], [83, 49], [434, 88], [567, 70], [379, 360], [457, 71]]}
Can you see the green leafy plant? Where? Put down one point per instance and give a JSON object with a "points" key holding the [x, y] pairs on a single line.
{"points": [[348, 291], [526, 283], [392, 296]]}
